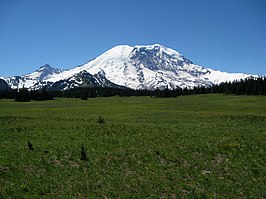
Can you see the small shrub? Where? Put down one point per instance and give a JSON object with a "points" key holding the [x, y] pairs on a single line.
{"points": [[100, 120], [84, 97], [83, 153], [30, 146]]}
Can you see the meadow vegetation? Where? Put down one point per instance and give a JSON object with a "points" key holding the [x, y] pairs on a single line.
{"points": [[198, 146]]}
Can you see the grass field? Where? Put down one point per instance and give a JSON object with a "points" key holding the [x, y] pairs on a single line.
{"points": [[202, 146]]}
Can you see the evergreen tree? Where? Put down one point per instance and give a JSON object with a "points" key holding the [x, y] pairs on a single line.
{"points": [[23, 95], [30, 146]]}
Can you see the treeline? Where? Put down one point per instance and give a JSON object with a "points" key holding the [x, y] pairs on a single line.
{"points": [[250, 86], [24, 95]]}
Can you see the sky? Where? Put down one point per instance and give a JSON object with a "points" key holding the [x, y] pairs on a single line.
{"points": [[226, 35]]}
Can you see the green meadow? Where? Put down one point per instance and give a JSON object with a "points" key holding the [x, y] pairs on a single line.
{"points": [[199, 146]]}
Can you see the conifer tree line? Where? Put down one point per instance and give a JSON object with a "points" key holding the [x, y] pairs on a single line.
{"points": [[249, 86], [24, 95]]}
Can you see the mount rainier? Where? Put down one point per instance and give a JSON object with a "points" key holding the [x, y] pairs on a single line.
{"points": [[138, 67]]}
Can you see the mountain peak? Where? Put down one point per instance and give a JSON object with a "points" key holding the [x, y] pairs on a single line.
{"points": [[45, 67], [152, 46], [160, 48]]}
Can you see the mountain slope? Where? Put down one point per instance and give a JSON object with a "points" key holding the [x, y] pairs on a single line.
{"points": [[138, 67], [84, 79], [150, 67], [34, 80], [3, 85]]}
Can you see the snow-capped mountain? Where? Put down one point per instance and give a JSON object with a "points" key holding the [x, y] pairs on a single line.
{"points": [[138, 67], [150, 67], [33, 80]]}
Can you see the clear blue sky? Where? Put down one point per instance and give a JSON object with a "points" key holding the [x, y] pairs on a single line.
{"points": [[229, 35]]}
